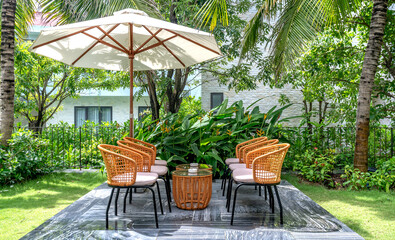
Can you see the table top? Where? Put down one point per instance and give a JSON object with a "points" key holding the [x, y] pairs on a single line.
{"points": [[184, 173], [201, 166]]}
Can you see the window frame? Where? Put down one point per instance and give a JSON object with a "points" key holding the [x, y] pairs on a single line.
{"points": [[86, 113], [211, 98]]}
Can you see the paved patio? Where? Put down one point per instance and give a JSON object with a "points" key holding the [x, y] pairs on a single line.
{"points": [[303, 219]]}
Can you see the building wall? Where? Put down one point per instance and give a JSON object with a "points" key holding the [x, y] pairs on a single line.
{"points": [[120, 107], [269, 97]]}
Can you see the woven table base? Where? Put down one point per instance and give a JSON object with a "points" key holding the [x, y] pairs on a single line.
{"points": [[192, 192]]}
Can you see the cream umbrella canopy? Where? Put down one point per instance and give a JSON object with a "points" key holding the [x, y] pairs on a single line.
{"points": [[128, 41]]}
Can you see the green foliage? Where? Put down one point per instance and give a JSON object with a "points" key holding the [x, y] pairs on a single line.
{"points": [[316, 166], [382, 179], [190, 106], [209, 138], [23, 159]]}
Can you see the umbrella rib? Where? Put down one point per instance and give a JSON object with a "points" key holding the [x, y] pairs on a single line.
{"points": [[68, 35], [163, 44], [90, 48], [109, 36], [105, 43], [155, 45], [192, 41], [146, 41]]}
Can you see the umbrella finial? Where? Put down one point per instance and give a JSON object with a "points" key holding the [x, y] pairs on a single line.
{"points": [[131, 11]]}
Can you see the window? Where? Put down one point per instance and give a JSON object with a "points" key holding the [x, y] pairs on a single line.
{"points": [[216, 99], [143, 111], [94, 114]]}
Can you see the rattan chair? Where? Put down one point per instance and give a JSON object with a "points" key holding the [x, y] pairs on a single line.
{"points": [[237, 159], [146, 144], [122, 168], [242, 154], [266, 171], [148, 165], [247, 157]]}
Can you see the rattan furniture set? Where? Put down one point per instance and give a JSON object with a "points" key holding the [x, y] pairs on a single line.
{"points": [[133, 164]]}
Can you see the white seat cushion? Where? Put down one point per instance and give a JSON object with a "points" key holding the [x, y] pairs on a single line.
{"points": [[160, 170], [231, 161], [245, 175], [236, 166], [160, 162], [145, 178]]}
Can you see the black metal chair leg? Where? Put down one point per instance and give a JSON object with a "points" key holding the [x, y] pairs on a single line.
{"points": [[279, 204], [260, 190], [130, 196], [108, 206], [154, 203], [229, 194], [167, 185], [271, 198], [265, 193], [160, 198], [256, 187], [124, 200], [225, 178], [229, 189], [234, 203], [116, 202]]}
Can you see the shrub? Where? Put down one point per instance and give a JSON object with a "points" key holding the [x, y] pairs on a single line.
{"points": [[23, 159], [382, 179], [316, 166]]}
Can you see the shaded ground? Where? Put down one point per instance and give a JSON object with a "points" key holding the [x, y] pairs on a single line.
{"points": [[303, 219]]}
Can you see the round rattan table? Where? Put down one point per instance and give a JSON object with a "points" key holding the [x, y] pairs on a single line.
{"points": [[192, 191], [201, 167]]}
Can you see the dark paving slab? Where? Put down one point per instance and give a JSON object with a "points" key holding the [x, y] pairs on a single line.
{"points": [[303, 219]]}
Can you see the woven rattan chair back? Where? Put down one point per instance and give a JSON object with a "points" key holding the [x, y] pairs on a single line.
{"points": [[121, 170], [246, 149], [136, 148], [249, 153], [254, 140], [267, 167], [146, 144]]}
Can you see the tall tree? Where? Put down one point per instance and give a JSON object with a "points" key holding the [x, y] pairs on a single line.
{"points": [[369, 68], [7, 85]]}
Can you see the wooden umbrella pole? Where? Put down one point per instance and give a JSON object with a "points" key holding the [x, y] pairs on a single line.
{"points": [[131, 95]]}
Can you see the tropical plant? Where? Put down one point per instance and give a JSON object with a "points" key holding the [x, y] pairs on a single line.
{"points": [[210, 138]]}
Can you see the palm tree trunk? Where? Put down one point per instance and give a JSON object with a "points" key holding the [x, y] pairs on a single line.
{"points": [[7, 88], [372, 54]]}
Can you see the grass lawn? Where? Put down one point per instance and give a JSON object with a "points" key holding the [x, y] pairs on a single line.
{"points": [[369, 213], [25, 206]]}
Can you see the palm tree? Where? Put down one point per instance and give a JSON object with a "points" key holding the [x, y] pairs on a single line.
{"points": [[7, 69], [16, 16], [299, 21]]}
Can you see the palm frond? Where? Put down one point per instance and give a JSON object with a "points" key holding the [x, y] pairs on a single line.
{"points": [[24, 15], [298, 23], [81, 10], [211, 12]]}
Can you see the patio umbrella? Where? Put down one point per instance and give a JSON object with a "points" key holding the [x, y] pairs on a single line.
{"points": [[128, 41]]}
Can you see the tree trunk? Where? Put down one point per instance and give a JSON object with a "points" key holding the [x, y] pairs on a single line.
{"points": [[7, 85], [153, 97], [371, 60]]}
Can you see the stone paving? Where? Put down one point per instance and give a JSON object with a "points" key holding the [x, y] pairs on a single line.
{"points": [[303, 218]]}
